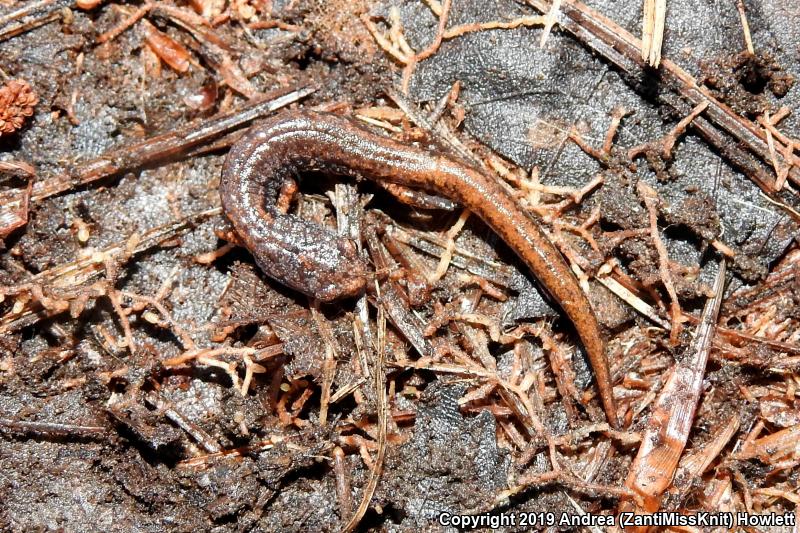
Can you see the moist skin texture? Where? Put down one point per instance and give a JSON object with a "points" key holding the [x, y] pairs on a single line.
{"points": [[317, 262]]}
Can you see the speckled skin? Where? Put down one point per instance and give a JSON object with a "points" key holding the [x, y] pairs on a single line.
{"points": [[318, 263]]}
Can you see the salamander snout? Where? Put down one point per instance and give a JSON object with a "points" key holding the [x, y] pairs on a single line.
{"points": [[347, 278]]}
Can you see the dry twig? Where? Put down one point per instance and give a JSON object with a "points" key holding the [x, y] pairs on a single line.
{"points": [[655, 12], [170, 145], [673, 413]]}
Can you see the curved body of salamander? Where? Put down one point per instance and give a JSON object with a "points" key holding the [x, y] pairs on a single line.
{"points": [[318, 263]]}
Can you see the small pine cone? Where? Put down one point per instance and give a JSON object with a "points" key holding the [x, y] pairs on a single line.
{"points": [[17, 101]]}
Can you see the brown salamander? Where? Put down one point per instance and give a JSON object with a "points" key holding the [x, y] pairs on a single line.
{"points": [[319, 263]]}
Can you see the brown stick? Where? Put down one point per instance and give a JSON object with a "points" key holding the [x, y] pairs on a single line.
{"points": [[172, 144]]}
